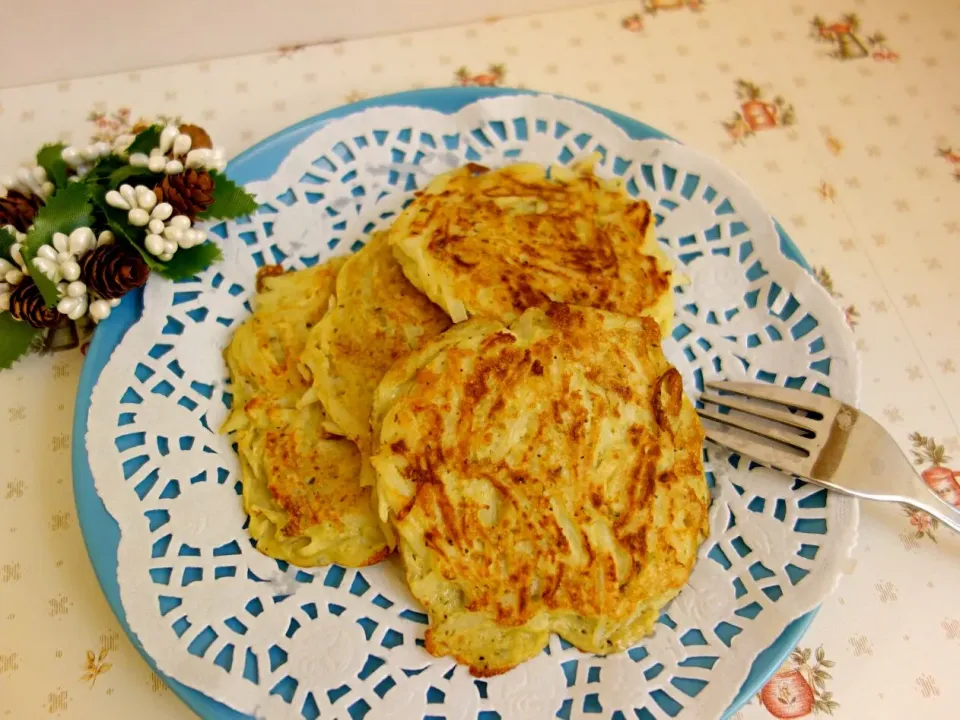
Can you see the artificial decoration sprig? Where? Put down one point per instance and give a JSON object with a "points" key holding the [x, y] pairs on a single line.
{"points": [[82, 226]]}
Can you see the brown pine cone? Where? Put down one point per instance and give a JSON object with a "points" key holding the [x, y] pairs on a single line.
{"points": [[26, 303], [112, 270], [189, 192], [18, 210], [199, 139]]}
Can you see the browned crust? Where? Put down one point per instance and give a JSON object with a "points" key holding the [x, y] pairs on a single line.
{"points": [[507, 240], [265, 273], [291, 462], [589, 368]]}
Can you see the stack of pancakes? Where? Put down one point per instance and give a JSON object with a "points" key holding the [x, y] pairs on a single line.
{"points": [[483, 387]]}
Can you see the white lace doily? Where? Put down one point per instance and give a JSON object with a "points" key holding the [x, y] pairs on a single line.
{"points": [[273, 641]]}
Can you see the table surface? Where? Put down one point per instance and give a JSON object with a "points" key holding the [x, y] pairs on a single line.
{"points": [[865, 179]]}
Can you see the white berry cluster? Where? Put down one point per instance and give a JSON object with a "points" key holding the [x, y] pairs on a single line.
{"points": [[11, 273], [81, 159], [76, 301], [60, 262], [75, 298], [29, 181], [166, 232], [174, 154]]}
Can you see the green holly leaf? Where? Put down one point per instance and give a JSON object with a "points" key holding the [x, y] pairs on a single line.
{"points": [[104, 167], [146, 140], [229, 200], [124, 231], [7, 240], [16, 339], [113, 170], [65, 211], [190, 261], [49, 158], [133, 176], [46, 286]]}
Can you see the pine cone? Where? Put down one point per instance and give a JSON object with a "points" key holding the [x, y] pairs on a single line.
{"points": [[18, 210], [26, 303], [189, 192], [199, 139], [112, 270]]}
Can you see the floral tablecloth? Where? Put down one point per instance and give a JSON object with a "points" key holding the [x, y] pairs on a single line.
{"points": [[845, 118]]}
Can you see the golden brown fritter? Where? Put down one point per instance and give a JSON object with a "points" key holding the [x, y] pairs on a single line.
{"points": [[542, 477], [493, 243], [301, 485], [377, 317]]}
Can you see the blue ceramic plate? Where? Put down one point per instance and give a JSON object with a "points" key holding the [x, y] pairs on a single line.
{"points": [[100, 531]]}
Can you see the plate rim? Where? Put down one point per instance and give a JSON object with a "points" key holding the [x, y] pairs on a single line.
{"points": [[100, 531]]}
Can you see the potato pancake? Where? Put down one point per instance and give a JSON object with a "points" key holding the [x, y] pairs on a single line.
{"points": [[493, 243], [542, 477], [301, 485], [377, 317]]}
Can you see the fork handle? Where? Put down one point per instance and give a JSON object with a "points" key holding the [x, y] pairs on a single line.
{"points": [[917, 494], [884, 473], [889, 473]]}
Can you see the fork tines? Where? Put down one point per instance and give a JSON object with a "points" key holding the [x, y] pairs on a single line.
{"points": [[764, 413]]}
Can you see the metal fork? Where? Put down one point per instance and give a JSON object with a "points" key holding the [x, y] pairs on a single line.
{"points": [[830, 443]]}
